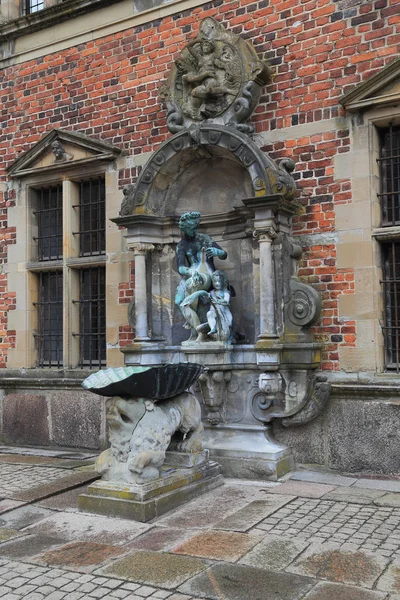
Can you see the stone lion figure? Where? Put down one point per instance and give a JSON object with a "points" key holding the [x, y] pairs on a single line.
{"points": [[140, 432]]}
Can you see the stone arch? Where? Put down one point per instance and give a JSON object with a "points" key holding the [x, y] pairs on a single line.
{"points": [[201, 158]]}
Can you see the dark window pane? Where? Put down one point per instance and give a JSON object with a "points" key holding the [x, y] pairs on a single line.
{"points": [[92, 317], [92, 217], [49, 219], [50, 319], [391, 283], [390, 176]]}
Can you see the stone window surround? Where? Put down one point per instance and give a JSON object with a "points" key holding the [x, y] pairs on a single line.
{"points": [[22, 266], [360, 238]]}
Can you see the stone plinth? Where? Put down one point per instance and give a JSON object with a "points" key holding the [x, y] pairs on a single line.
{"points": [[143, 502]]}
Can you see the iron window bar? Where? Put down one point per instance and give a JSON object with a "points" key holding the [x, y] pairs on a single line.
{"points": [[49, 338], [92, 216], [49, 221], [92, 317], [391, 290], [389, 163]]}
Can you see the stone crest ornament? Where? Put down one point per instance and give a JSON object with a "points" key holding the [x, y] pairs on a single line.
{"points": [[216, 78]]}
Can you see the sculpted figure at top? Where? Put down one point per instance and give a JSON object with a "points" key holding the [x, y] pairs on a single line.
{"points": [[217, 77], [203, 295]]}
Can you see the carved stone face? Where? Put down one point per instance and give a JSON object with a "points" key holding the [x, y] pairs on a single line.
{"points": [[217, 283], [58, 150], [270, 384], [123, 417]]}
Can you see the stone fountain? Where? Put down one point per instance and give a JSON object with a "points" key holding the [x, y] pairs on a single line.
{"points": [[209, 224]]}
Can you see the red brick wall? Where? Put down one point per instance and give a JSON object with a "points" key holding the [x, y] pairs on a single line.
{"points": [[108, 88]]}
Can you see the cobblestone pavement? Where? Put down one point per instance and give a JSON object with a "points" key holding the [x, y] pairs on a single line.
{"points": [[371, 528], [18, 478], [319, 536]]}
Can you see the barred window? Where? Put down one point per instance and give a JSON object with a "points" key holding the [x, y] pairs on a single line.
{"points": [[69, 281], [390, 176], [50, 319], [389, 195]]}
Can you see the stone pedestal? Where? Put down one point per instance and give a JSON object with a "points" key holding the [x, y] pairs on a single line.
{"points": [[143, 502], [248, 452]]}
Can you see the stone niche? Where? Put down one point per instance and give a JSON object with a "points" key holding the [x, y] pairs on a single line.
{"points": [[210, 164]]}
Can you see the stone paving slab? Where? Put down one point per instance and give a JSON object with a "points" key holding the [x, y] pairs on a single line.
{"points": [[161, 538], [326, 561], [7, 534], [6, 505], [50, 488], [23, 516], [70, 454], [378, 484], [334, 591], [305, 489], [67, 501], [154, 568], [85, 556], [218, 545], [84, 527], [240, 582], [321, 477], [355, 495], [388, 500], [390, 580], [209, 509], [248, 516], [29, 545], [274, 553]]}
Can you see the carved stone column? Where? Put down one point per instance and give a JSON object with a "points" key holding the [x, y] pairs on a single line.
{"points": [[267, 283], [140, 251]]}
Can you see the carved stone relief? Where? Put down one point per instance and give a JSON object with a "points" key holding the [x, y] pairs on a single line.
{"points": [[217, 77]]}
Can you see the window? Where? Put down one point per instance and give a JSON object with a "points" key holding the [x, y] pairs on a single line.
{"points": [[70, 301], [389, 163], [32, 6]]}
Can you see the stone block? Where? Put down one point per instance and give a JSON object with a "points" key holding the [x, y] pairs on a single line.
{"points": [[25, 420], [237, 582], [248, 516], [363, 436], [80, 555], [115, 500], [77, 419], [335, 591], [274, 553], [155, 568], [218, 545], [390, 580], [358, 254], [305, 442], [328, 561]]}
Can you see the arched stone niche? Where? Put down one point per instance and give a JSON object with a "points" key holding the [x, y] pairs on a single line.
{"points": [[203, 155], [210, 169]]}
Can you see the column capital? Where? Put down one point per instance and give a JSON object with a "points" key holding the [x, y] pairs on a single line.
{"points": [[267, 234], [141, 248]]}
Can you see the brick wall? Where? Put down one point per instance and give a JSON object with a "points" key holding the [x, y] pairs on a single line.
{"points": [[108, 88]]}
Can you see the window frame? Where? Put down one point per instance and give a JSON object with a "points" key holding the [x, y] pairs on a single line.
{"points": [[70, 264]]}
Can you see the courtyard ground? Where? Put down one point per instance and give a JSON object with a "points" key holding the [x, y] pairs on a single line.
{"points": [[317, 536]]}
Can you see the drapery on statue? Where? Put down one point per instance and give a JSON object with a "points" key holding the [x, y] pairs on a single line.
{"points": [[203, 294]]}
